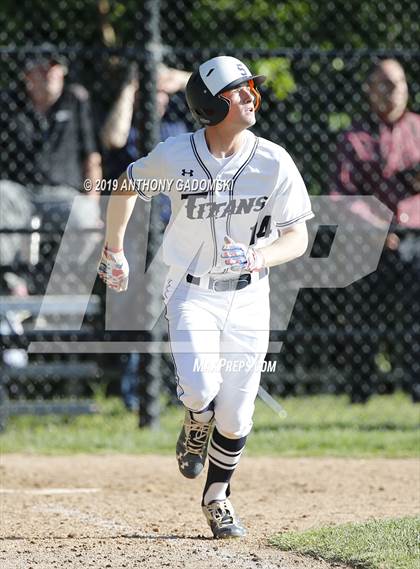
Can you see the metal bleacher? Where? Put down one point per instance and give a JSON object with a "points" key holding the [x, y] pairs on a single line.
{"points": [[19, 324], [29, 385]]}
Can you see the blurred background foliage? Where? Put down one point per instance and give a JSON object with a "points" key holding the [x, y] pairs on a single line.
{"points": [[262, 24]]}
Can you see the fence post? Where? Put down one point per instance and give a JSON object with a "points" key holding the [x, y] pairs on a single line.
{"points": [[148, 121]]}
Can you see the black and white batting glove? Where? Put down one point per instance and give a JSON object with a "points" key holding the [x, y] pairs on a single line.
{"points": [[240, 257], [113, 269]]}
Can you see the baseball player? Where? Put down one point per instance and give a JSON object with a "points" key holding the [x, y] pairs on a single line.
{"points": [[239, 206]]}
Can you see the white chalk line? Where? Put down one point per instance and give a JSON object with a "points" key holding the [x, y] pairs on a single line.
{"points": [[86, 518], [47, 491]]}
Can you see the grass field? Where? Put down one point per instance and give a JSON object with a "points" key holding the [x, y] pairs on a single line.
{"points": [[388, 426], [380, 544]]}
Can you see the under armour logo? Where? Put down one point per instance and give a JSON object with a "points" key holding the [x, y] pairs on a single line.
{"points": [[185, 172]]}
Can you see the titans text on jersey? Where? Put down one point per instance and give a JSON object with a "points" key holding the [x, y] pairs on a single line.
{"points": [[197, 210]]}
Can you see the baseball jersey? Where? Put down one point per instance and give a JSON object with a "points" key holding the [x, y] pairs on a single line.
{"points": [[251, 197]]}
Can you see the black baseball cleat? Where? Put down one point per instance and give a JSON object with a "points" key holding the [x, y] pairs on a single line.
{"points": [[191, 447], [222, 520]]}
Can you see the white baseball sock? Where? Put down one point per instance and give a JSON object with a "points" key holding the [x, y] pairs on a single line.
{"points": [[203, 416]]}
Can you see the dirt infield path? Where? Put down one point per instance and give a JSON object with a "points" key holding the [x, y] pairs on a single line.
{"points": [[137, 511]]}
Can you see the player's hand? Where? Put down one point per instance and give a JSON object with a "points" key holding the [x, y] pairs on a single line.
{"points": [[240, 257], [113, 269]]}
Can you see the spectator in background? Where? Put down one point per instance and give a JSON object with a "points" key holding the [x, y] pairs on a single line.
{"points": [[383, 160], [50, 150], [120, 135], [120, 140]]}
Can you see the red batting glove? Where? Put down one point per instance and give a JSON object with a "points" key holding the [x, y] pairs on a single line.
{"points": [[113, 269]]}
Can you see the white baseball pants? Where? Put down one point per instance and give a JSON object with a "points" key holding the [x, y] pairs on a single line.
{"points": [[219, 341]]}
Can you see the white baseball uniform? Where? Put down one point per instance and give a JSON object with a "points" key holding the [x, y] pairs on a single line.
{"points": [[219, 325]]}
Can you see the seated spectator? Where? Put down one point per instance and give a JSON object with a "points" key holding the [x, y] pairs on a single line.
{"points": [[50, 151], [382, 158]]}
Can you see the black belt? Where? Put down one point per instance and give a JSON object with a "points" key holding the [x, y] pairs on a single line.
{"points": [[227, 284]]}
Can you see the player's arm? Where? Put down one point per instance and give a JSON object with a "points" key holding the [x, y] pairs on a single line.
{"points": [[113, 267], [120, 207], [292, 244]]}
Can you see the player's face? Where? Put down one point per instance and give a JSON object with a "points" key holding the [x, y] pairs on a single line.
{"points": [[241, 109]]}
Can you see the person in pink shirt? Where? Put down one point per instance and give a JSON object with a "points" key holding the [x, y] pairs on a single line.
{"points": [[381, 157]]}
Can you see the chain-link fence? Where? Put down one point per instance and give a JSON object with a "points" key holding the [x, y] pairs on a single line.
{"points": [[86, 87]]}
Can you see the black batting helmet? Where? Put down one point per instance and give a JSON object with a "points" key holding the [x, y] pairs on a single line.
{"points": [[212, 78]]}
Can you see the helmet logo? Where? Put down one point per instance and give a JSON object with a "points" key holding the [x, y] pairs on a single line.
{"points": [[242, 70], [210, 72]]}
